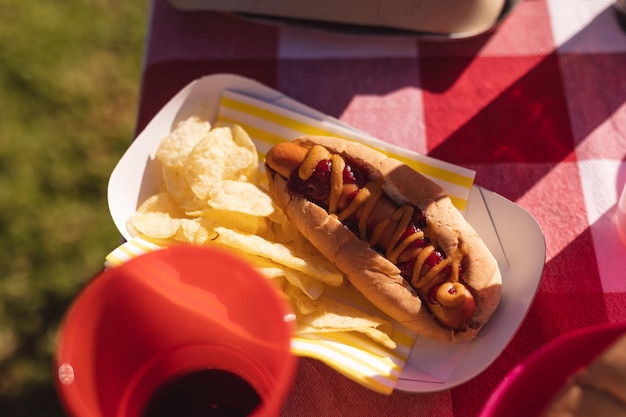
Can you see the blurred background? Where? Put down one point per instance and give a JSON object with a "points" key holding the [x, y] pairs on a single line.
{"points": [[69, 82]]}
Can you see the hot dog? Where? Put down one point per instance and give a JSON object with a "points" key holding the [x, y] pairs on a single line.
{"points": [[393, 232]]}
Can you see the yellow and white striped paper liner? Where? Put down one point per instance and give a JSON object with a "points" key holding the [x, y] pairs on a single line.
{"points": [[269, 124], [352, 354]]}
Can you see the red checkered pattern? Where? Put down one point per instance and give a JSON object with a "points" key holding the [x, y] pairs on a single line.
{"points": [[536, 108]]}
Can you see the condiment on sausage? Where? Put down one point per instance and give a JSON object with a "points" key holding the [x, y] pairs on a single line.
{"points": [[402, 234]]}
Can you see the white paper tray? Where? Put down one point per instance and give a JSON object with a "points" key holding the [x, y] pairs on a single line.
{"points": [[509, 231]]}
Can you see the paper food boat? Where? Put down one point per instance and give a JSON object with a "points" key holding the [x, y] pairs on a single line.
{"points": [[509, 231]]}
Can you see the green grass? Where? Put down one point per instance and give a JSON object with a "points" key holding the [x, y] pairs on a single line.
{"points": [[69, 81]]}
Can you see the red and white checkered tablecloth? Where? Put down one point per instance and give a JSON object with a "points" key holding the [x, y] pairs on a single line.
{"points": [[537, 108]]}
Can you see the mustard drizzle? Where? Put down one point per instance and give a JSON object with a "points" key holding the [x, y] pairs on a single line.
{"points": [[367, 197]]}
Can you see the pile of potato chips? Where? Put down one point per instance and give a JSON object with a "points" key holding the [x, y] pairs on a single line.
{"points": [[213, 193]]}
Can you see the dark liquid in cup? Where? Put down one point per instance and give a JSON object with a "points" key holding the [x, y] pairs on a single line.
{"points": [[207, 392]]}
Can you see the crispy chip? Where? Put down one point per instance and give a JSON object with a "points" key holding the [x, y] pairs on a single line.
{"points": [[192, 231], [177, 186], [158, 217], [279, 217], [215, 158], [258, 262], [310, 287], [286, 234], [303, 248], [257, 245], [271, 272], [301, 302], [240, 196], [379, 336], [334, 316], [243, 140], [242, 222], [313, 288], [174, 148]]}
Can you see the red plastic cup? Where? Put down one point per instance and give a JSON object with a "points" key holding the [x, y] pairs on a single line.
{"points": [[166, 314], [531, 385]]}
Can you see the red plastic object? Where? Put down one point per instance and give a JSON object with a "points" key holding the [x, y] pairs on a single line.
{"points": [[166, 313], [528, 388]]}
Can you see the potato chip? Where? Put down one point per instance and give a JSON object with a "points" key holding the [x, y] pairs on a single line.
{"points": [[215, 158], [379, 336], [287, 235], [241, 222], [271, 272], [279, 217], [174, 148], [240, 196], [311, 287], [177, 186], [192, 231], [262, 263], [203, 236], [302, 303], [158, 217], [243, 140], [334, 316], [279, 253], [303, 248], [279, 283]]}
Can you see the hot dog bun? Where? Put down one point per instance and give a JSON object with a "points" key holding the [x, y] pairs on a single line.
{"points": [[372, 274]]}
